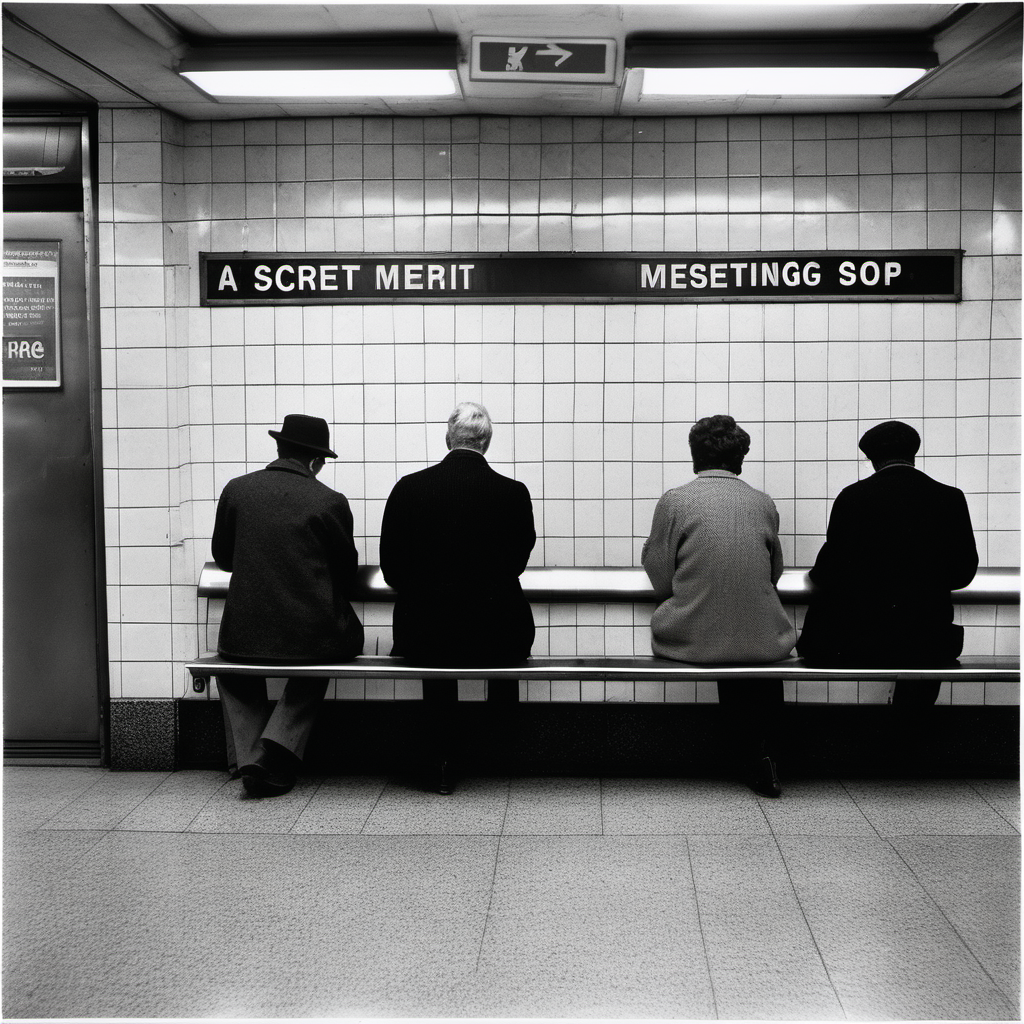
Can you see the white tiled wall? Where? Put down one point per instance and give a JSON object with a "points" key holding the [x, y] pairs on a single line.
{"points": [[592, 403]]}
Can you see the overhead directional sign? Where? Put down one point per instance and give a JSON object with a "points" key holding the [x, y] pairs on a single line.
{"points": [[512, 59]]}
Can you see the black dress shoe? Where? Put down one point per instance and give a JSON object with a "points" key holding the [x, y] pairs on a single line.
{"points": [[764, 779], [266, 779], [445, 779]]}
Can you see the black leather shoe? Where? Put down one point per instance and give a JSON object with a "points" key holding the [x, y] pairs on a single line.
{"points": [[445, 779], [263, 779], [764, 779]]}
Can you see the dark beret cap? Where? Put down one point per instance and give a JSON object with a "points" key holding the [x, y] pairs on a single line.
{"points": [[890, 440]]}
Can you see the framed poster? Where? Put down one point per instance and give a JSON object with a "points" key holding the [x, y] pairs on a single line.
{"points": [[31, 340]]}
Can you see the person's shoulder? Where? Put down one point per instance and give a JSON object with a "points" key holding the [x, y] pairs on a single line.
{"points": [[507, 481], [245, 481]]}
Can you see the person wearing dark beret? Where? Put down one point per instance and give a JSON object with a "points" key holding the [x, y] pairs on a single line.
{"points": [[286, 539], [897, 543]]}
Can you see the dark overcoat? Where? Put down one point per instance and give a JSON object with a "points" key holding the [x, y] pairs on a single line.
{"points": [[287, 541], [897, 543], [454, 540]]}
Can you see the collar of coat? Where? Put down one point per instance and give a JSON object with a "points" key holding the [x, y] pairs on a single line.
{"points": [[718, 472], [291, 466], [463, 452]]}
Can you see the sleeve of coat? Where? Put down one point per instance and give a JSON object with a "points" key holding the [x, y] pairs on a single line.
{"points": [[338, 527], [775, 547], [223, 543], [660, 548], [395, 535], [963, 552], [825, 565], [526, 531]]}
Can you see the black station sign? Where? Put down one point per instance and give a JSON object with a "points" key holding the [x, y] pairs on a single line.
{"points": [[232, 279]]}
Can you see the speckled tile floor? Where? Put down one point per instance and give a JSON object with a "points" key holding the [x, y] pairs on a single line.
{"points": [[172, 895]]}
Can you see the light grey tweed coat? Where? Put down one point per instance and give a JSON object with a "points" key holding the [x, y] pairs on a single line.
{"points": [[713, 558]]}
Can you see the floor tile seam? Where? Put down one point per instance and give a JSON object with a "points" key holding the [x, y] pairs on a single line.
{"points": [[1011, 1000], [376, 802], [807, 925], [206, 804], [78, 796], [994, 807], [490, 901], [143, 799], [700, 928], [862, 812], [317, 784]]}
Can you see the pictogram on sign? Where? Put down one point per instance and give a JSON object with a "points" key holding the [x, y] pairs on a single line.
{"points": [[503, 59]]}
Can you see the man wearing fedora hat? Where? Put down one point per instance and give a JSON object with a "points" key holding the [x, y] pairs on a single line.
{"points": [[287, 541], [897, 543]]}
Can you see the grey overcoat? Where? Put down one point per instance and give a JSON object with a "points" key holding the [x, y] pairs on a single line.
{"points": [[713, 558]]}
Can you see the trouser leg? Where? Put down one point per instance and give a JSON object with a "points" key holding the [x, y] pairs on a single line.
{"points": [[440, 697], [292, 719], [246, 710], [915, 693], [751, 711], [501, 720], [503, 691]]}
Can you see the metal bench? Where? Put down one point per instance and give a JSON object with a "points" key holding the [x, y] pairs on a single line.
{"points": [[602, 585]]}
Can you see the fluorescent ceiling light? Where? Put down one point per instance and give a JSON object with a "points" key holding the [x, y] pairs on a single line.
{"points": [[777, 81], [805, 65], [388, 66], [307, 83]]}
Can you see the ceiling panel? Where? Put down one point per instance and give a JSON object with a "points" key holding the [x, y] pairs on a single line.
{"points": [[126, 54]]}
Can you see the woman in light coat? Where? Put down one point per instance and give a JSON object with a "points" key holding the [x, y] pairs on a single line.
{"points": [[713, 558]]}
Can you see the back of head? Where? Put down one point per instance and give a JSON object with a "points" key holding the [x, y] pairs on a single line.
{"points": [[718, 442], [469, 426], [889, 442]]}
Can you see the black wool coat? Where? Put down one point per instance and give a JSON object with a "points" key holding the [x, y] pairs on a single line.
{"points": [[287, 541], [454, 540], [898, 542]]}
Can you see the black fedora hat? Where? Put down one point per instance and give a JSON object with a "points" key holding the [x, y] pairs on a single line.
{"points": [[306, 432]]}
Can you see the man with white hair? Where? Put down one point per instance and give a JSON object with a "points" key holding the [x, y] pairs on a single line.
{"points": [[454, 540]]}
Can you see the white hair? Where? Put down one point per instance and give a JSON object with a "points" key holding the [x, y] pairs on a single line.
{"points": [[469, 426]]}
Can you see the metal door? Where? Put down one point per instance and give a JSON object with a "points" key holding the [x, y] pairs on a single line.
{"points": [[54, 685]]}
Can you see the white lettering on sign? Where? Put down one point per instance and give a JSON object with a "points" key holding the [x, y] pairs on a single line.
{"points": [[227, 279], [410, 276], [869, 272], [756, 274], [25, 349], [304, 277], [654, 277]]}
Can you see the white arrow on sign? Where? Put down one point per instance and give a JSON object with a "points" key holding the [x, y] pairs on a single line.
{"points": [[554, 50]]}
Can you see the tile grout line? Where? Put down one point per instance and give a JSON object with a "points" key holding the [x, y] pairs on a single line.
{"points": [[369, 814], [63, 807], [853, 798], [807, 924], [994, 808], [316, 789], [494, 875], [700, 925], [209, 800], [1011, 1002]]}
